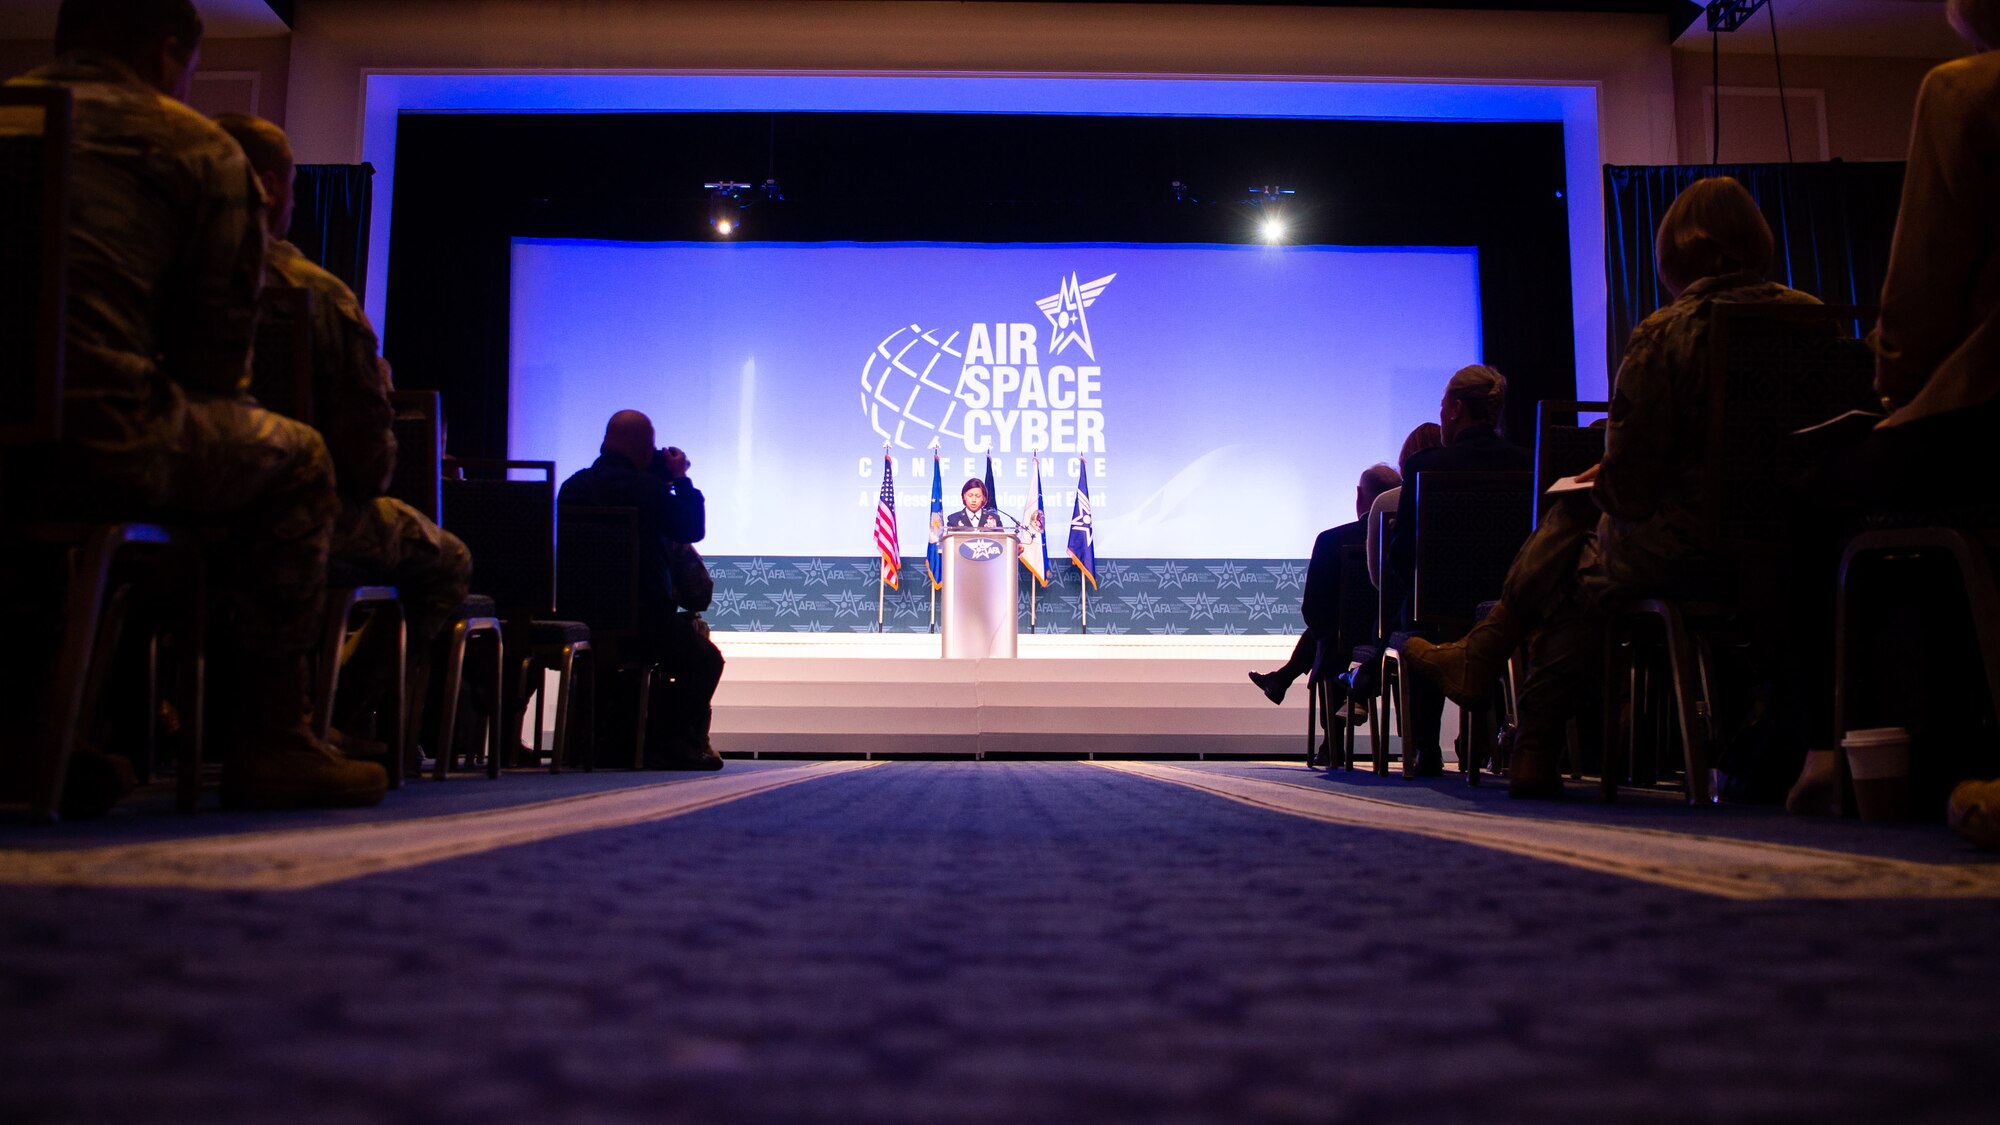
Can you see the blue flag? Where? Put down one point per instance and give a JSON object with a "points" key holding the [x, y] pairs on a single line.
{"points": [[992, 493], [934, 554], [1082, 544]]}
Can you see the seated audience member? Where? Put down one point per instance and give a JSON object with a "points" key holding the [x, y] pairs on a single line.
{"points": [[1426, 436], [166, 245], [1938, 341], [382, 539], [1320, 602], [1635, 531], [1475, 401], [630, 473]]}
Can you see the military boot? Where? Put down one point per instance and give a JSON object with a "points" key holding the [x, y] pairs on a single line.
{"points": [[271, 758], [1466, 670]]}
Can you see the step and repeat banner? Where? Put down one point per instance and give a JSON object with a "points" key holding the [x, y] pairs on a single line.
{"points": [[1223, 399]]}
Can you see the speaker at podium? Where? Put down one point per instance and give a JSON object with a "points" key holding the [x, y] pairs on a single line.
{"points": [[980, 586]]}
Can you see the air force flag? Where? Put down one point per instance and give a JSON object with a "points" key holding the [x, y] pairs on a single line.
{"points": [[1082, 544]]}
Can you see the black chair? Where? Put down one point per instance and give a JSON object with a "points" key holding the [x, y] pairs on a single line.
{"points": [[510, 527], [1974, 555], [1775, 369], [1388, 676], [419, 428], [1356, 609], [1564, 446], [1471, 527], [281, 372], [598, 584], [34, 263]]}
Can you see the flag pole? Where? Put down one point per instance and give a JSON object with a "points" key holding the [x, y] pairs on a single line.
{"points": [[1031, 606], [1083, 589]]}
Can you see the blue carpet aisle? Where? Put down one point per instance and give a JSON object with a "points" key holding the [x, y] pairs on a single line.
{"points": [[992, 942]]}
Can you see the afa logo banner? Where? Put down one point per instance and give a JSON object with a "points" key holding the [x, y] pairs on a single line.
{"points": [[993, 387]]}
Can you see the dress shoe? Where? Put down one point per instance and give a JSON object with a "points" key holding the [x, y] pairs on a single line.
{"points": [[1272, 687], [1817, 791], [1466, 670], [1974, 812], [1425, 763]]}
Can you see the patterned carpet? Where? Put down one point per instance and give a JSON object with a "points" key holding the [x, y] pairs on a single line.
{"points": [[1005, 942]]}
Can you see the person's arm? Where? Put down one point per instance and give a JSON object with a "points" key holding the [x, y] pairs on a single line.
{"points": [[1319, 602], [1943, 226], [360, 426], [1632, 477], [209, 314], [687, 512]]}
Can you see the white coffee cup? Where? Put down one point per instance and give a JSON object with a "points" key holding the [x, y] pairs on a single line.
{"points": [[1878, 759]]}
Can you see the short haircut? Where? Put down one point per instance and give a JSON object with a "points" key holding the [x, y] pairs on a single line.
{"points": [[126, 28], [1379, 478], [261, 141], [970, 484], [1977, 20], [1712, 229]]}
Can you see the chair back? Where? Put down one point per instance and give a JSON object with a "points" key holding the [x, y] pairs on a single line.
{"points": [[419, 431], [1357, 605], [1775, 369], [1470, 526], [34, 261], [1384, 611], [597, 576], [510, 527], [1563, 448], [281, 374]]}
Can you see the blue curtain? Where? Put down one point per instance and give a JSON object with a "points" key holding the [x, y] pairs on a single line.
{"points": [[1832, 223], [330, 218]]}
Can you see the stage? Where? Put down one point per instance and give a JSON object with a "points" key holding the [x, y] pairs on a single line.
{"points": [[889, 695]]}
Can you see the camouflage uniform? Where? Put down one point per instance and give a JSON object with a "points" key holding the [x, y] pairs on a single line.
{"points": [[1643, 533], [166, 260], [383, 538]]}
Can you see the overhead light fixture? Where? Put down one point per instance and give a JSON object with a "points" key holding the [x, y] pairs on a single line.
{"points": [[1268, 201], [729, 199]]}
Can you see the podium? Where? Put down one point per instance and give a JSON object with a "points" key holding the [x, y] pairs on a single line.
{"points": [[980, 581]]}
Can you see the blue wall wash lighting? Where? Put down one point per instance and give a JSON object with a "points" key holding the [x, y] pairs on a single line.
{"points": [[1573, 106]]}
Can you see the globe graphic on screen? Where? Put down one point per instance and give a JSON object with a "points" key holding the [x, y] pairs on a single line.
{"points": [[909, 387]]}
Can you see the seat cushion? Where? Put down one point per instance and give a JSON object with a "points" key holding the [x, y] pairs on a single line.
{"points": [[478, 605], [557, 633]]}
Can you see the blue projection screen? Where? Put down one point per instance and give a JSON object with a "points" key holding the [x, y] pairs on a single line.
{"points": [[1224, 398]]}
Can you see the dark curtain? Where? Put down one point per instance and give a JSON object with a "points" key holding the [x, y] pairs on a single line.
{"points": [[1832, 223], [330, 218]]}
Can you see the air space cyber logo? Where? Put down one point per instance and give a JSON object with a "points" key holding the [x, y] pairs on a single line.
{"points": [[987, 386]]}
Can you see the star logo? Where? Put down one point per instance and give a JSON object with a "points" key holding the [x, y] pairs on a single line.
{"points": [[1168, 631], [756, 572], [816, 572], [1112, 630], [1260, 605], [814, 627], [869, 569], [1289, 574], [1171, 575], [906, 607], [1228, 575], [1111, 573], [846, 603], [1201, 607], [754, 627], [1064, 308], [726, 602], [1227, 631], [1142, 605], [787, 602]]}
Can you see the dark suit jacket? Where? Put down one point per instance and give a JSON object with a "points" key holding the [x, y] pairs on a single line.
{"points": [[988, 517], [670, 512], [1477, 450], [1321, 603]]}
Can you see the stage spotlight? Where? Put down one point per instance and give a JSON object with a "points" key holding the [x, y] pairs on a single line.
{"points": [[1268, 201], [1274, 228]]}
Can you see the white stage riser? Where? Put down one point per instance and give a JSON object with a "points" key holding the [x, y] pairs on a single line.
{"points": [[1070, 696]]}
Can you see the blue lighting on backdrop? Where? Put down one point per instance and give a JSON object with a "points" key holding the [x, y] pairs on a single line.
{"points": [[1196, 380]]}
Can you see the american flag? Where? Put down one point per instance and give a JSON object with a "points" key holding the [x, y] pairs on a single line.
{"points": [[885, 524]]}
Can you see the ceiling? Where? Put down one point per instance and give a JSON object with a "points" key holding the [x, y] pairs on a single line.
{"points": [[1909, 28]]}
